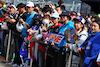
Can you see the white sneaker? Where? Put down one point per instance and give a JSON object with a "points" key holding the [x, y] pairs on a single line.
{"points": [[10, 63], [15, 65]]}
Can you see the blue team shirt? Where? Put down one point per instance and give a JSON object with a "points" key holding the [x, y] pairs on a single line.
{"points": [[69, 25], [29, 20]]}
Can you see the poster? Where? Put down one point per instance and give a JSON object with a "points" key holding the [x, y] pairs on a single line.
{"points": [[56, 38]]}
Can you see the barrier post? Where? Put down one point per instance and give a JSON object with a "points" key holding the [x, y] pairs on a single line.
{"points": [[8, 47], [70, 59]]}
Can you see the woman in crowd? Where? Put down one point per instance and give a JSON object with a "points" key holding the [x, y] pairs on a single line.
{"points": [[79, 36], [52, 53], [91, 45]]}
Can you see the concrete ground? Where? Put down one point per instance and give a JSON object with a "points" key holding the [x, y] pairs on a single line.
{"points": [[3, 64]]}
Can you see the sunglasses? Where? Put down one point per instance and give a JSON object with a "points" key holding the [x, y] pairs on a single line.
{"points": [[28, 7]]}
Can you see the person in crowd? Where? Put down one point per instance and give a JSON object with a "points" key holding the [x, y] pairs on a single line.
{"points": [[42, 46], [40, 11], [88, 24], [79, 36], [35, 33], [60, 2], [59, 10], [89, 18], [47, 10], [65, 16], [36, 11], [23, 13], [13, 11], [29, 20], [9, 7], [2, 56], [73, 15], [20, 20], [91, 45], [1, 7], [52, 54], [18, 40], [1, 17], [11, 19], [37, 6]]}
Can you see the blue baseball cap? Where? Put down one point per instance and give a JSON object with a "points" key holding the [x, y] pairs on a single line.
{"points": [[65, 13], [37, 16]]}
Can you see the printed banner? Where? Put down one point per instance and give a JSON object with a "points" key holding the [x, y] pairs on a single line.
{"points": [[56, 38], [69, 36]]}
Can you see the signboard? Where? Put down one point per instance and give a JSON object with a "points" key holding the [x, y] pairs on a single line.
{"points": [[56, 38], [69, 35]]}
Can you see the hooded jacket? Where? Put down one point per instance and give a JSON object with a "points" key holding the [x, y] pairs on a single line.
{"points": [[92, 50], [82, 37]]}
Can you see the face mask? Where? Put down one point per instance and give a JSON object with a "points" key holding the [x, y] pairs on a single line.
{"points": [[45, 21]]}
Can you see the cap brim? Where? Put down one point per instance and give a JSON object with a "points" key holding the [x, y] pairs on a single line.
{"points": [[29, 5], [63, 15], [54, 17], [75, 19]]}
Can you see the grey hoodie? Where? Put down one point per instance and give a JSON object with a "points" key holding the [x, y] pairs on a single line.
{"points": [[82, 37]]}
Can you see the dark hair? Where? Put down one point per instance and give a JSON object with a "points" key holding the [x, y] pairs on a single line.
{"points": [[46, 9], [37, 5], [60, 2], [59, 6], [36, 10], [89, 15], [46, 16], [9, 6], [81, 23], [69, 18], [62, 7], [94, 17], [97, 20], [21, 5], [40, 9]]}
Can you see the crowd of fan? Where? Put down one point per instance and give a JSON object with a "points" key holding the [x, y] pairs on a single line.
{"points": [[31, 26]]}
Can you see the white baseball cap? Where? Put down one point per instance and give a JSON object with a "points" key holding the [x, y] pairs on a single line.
{"points": [[55, 15], [30, 4], [14, 7]]}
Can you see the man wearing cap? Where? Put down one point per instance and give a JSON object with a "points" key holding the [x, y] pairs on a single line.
{"points": [[29, 20], [23, 13], [65, 16], [12, 16], [11, 21]]}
